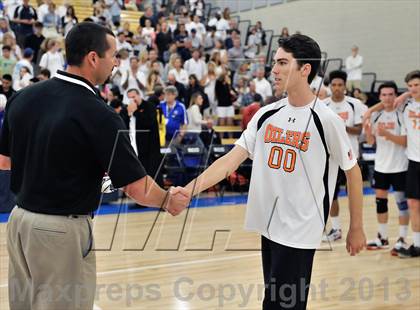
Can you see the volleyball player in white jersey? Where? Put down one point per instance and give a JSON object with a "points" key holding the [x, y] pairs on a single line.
{"points": [[386, 128], [296, 145], [351, 111], [411, 117]]}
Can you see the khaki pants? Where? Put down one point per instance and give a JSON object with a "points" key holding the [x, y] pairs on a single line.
{"points": [[51, 262], [351, 85]]}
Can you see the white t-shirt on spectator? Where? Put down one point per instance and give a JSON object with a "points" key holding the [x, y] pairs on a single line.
{"points": [[52, 62], [199, 68], [181, 76], [124, 45], [22, 63], [20, 83], [354, 68], [194, 118], [132, 82], [263, 87]]}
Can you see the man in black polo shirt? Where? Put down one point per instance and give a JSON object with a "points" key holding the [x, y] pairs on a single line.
{"points": [[59, 137], [24, 18]]}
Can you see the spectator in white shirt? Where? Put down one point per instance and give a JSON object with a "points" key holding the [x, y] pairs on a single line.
{"points": [[180, 74], [24, 79], [122, 43], [52, 60], [262, 86], [198, 26], [354, 65], [196, 65], [133, 78]]}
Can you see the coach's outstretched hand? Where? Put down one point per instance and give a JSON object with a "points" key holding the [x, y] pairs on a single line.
{"points": [[178, 200], [356, 241]]}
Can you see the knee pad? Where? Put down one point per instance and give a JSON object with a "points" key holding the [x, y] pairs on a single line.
{"points": [[381, 205], [401, 203]]}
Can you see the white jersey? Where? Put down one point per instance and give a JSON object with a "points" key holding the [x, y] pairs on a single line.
{"points": [[390, 157], [411, 117], [351, 111], [296, 152]]}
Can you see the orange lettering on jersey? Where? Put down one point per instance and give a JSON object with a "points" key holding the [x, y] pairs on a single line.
{"points": [[387, 125], [413, 114], [292, 138], [305, 141], [344, 115]]}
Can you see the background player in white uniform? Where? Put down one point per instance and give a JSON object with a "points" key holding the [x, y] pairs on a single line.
{"points": [[350, 111], [296, 145], [411, 122], [411, 117], [391, 164]]}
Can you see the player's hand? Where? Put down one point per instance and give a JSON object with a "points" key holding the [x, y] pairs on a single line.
{"points": [[382, 131], [178, 200], [366, 117], [356, 241]]}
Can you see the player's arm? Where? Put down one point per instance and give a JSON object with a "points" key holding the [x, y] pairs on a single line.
{"points": [[400, 140], [356, 239], [5, 163], [375, 108], [401, 99], [370, 137], [354, 130], [219, 170]]}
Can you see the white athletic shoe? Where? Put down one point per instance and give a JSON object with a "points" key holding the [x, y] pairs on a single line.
{"points": [[378, 244], [401, 244], [333, 235]]}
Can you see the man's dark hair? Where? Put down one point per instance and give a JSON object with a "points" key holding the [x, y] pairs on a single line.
{"points": [[45, 72], [412, 75], [338, 74], [305, 50], [158, 90], [6, 47], [134, 90], [7, 77], [116, 103], [38, 25], [389, 84], [84, 38]]}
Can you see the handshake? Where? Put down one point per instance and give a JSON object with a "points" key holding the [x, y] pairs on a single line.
{"points": [[177, 199]]}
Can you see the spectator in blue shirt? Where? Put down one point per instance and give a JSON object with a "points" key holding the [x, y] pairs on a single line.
{"points": [[175, 114]]}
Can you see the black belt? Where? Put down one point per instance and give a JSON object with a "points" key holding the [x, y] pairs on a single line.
{"points": [[74, 216]]}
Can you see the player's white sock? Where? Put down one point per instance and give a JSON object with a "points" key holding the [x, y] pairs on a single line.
{"points": [[416, 237], [383, 230], [403, 231], [335, 221]]}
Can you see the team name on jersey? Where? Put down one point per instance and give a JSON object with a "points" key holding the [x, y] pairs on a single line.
{"points": [[344, 115], [413, 114], [296, 139], [387, 125], [414, 118]]}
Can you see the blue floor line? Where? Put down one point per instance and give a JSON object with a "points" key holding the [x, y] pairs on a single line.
{"points": [[202, 202]]}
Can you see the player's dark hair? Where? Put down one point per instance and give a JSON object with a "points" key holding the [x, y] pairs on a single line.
{"points": [[338, 74], [412, 75], [305, 50], [84, 38], [389, 84]]}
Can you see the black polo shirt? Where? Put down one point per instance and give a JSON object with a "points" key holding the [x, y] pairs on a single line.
{"points": [[62, 138]]}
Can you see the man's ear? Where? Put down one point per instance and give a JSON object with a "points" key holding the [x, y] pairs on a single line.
{"points": [[306, 70], [92, 59]]}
